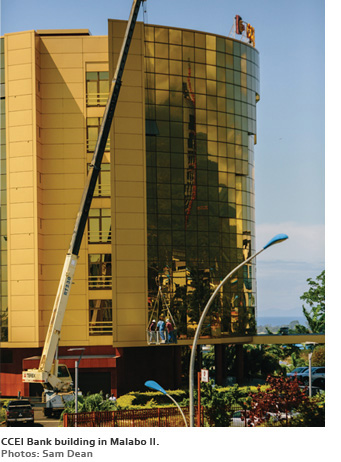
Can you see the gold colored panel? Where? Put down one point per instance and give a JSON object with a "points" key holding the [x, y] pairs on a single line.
{"points": [[23, 318], [135, 157], [23, 56], [130, 205], [127, 236], [130, 317], [26, 301], [130, 220], [23, 334], [20, 164], [22, 194], [24, 287], [22, 226], [130, 285], [131, 333], [131, 300], [20, 87], [22, 272], [129, 173], [22, 179], [127, 189], [128, 126], [20, 118], [22, 102], [131, 269], [22, 241], [19, 71]]}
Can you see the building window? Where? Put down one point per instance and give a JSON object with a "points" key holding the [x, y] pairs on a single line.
{"points": [[93, 125], [99, 226], [100, 271], [103, 185], [97, 88], [100, 317]]}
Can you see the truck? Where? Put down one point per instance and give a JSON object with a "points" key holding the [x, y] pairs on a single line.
{"points": [[19, 411], [54, 377]]}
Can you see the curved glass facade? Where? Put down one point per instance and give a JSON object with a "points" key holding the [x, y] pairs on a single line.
{"points": [[201, 92]]}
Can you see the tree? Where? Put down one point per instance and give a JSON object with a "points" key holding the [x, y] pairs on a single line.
{"points": [[315, 299], [281, 398]]}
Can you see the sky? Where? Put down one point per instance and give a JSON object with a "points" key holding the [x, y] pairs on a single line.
{"points": [[290, 150]]}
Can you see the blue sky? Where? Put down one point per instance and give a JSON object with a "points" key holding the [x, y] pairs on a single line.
{"points": [[290, 153]]}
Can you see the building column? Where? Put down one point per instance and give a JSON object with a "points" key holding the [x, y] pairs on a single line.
{"points": [[240, 364]]}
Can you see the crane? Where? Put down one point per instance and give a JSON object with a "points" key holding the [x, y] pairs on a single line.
{"points": [[55, 378]]}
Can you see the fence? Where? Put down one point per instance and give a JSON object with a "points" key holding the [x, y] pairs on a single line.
{"points": [[156, 417]]}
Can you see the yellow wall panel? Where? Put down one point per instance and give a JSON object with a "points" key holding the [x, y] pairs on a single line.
{"points": [[127, 236], [23, 210], [22, 241], [21, 195], [76, 318], [22, 302], [130, 268], [134, 78], [24, 317], [133, 173], [21, 179], [129, 253], [22, 226], [19, 40], [19, 118], [130, 317], [130, 94], [130, 285], [128, 142], [19, 71], [23, 56], [95, 44], [134, 157], [64, 45], [74, 334], [129, 108], [20, 103], [130, 220], [128, 126], [19, 87], [129, 204], [131, 334], [23, 334], [23, 256], [22, 272], [25, 133], [24, 287], [20, 164], [129, 301]]}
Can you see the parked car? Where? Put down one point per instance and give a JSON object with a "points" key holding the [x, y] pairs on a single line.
{"points": [[19, 411], [297, 370], [316, 373]]}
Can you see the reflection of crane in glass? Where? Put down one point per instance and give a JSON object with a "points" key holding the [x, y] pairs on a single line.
{"points": [[191, 169]]}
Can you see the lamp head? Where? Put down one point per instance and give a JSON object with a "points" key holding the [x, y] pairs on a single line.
{"points": [[155, 386], [276, 240]]}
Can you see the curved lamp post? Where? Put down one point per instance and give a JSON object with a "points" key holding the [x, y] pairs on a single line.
{"points": [[275, 240], [157, 387]]}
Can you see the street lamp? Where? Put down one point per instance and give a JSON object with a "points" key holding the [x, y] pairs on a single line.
{"points": [[275, 240], [157, 387], [310, 354], [76, 379]]}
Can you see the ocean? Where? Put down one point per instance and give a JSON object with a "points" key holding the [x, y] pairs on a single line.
{"points": [[280, 320]]}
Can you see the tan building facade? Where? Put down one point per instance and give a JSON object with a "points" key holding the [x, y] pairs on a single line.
{"points": [[174, 200]]}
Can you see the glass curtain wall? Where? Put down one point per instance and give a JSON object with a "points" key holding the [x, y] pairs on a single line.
{"points": [[201, 93]]}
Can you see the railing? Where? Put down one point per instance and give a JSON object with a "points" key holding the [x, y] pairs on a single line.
{"points": [[97, 99], [157, 337], [156, 417], [102, 190], [100, 282], [99, 237], [100, 328]]}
